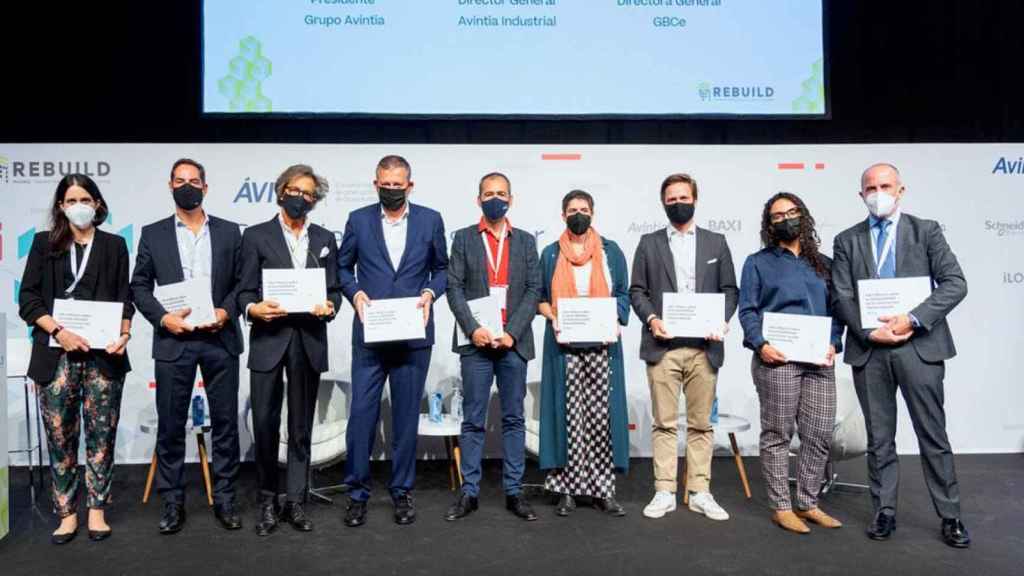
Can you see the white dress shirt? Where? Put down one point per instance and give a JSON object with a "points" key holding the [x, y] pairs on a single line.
{"points": [[194, 249], [873, 232], [394, 235], [684, 257], [298, 247]]}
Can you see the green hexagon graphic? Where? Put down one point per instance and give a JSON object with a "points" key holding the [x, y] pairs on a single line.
{"points": [[812, 96], [243, 86]]}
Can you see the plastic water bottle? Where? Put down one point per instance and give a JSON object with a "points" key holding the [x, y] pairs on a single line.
{"points": [[714, 411], [198, 411], [457, 404], [435, 407]]}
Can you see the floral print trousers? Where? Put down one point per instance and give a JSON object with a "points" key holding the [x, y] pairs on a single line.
{"points": [[77, 393]]}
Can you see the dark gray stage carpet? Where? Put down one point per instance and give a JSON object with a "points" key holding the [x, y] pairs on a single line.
{"points": [[492, 541]]}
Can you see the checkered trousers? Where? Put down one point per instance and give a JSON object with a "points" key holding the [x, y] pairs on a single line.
{"points": [[801, 397], [589, 469]]}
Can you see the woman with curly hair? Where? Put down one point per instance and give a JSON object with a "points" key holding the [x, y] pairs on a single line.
{"points": [[788, 275]]}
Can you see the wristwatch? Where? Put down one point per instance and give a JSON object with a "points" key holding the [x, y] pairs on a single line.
{"points": [[55, 331]]}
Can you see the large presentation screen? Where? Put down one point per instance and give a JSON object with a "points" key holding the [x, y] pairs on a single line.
{"points": [[514, 57]]}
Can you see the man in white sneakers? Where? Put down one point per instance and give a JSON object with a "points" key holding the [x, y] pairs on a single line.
{"points": [[686, 259]]}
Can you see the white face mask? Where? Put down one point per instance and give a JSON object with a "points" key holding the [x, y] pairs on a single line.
{"points": [[880, 204], [80, 215]]}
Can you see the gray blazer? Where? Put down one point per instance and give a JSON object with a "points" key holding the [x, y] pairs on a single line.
{"points": [[921, 250], [654, 273], [467, 280]]}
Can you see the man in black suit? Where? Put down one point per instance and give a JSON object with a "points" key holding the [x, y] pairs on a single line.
{"points": [[687, 259], [191, 245], [907, 352], [490, 258], [282, 342]]}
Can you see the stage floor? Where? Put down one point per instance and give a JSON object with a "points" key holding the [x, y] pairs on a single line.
{"points": [[492, 541]]}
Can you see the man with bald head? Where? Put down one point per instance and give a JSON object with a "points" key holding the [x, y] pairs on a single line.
{"points": [[908, 352]]}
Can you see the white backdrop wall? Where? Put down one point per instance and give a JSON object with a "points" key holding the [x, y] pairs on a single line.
{"points": [[975, 191]]}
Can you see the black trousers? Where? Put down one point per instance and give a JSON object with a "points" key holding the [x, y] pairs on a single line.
{"points": [[267, 393], [174, 381], [920, 382]]}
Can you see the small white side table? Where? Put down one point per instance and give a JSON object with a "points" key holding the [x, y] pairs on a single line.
{"points": [[730, 425], [448, 428]]}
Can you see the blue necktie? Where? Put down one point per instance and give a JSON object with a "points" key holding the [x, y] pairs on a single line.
{"points": [[888, 268]]}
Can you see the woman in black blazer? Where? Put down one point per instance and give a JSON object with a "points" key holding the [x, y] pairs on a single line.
{"points": [[77, 384]]}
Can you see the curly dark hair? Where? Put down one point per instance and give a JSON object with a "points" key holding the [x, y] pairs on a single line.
{"points": [[809, 240]]}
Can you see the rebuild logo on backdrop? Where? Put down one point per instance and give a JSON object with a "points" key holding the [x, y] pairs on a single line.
{"points": [[709, 92], [50, 171]]}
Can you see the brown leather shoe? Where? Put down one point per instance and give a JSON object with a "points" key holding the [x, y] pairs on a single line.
{"points": [[820, 518], [787, 520]]}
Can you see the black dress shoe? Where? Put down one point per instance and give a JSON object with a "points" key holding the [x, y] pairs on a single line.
{"points": [[954, 533], [296, 516], [518, 505], [882, 526], [609, 506], [355, 514], [268, 519], [405, 509], [173, 518], [462, 507], [566, 505], [227, 515], [98, 535], [59, 539]]}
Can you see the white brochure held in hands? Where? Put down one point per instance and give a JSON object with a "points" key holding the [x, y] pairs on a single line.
{"points": [[487, 312], [98, 322], [687, 315], [298, 291], [587, 320], [393, 319], [890, 297], [800, 337], [194, 294]]}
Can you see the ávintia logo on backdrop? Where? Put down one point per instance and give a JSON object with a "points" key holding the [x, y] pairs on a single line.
{"points": [[1009, 166], [252, 191], [709, 92]]}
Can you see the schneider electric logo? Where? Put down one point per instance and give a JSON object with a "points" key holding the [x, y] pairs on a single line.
{"points": [[1005, 228], [709, 92]]}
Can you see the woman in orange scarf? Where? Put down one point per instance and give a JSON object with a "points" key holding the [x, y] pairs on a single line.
{"points": [[584, 423]]}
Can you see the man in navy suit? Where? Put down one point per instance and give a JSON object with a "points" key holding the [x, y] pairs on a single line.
{"points": [[192, 245], [390, 249]]}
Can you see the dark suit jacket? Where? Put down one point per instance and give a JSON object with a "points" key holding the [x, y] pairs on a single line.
{"points": [[158, 263], [654, 274], [264, 247], [105, 279], [468, 280], [921, 250], [364, 265]]}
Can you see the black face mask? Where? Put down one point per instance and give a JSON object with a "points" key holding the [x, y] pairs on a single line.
{"points": [[787, 230], [679, 213], [391, 198], [188, 197], [578, 223], [296, 206]]}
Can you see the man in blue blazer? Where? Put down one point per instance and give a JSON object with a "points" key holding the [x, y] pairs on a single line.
{"points": [[391, 249], [192, 245]]}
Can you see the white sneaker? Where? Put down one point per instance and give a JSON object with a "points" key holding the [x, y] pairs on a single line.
{"points": [[704, 503], [662, 503]]}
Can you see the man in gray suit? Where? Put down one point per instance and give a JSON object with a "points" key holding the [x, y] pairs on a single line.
{"points": [[491, 258], [907, 352], [687, 259]]}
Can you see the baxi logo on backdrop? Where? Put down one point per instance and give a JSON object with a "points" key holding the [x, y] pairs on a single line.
{"points": [[723, 226]]}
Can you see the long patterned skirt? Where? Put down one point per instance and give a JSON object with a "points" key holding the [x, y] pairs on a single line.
{"points": [[589, 469]]}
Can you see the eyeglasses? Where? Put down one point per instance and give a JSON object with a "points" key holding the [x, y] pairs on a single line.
{"points": [[293, 191], [181, 181], [780, 216]]}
